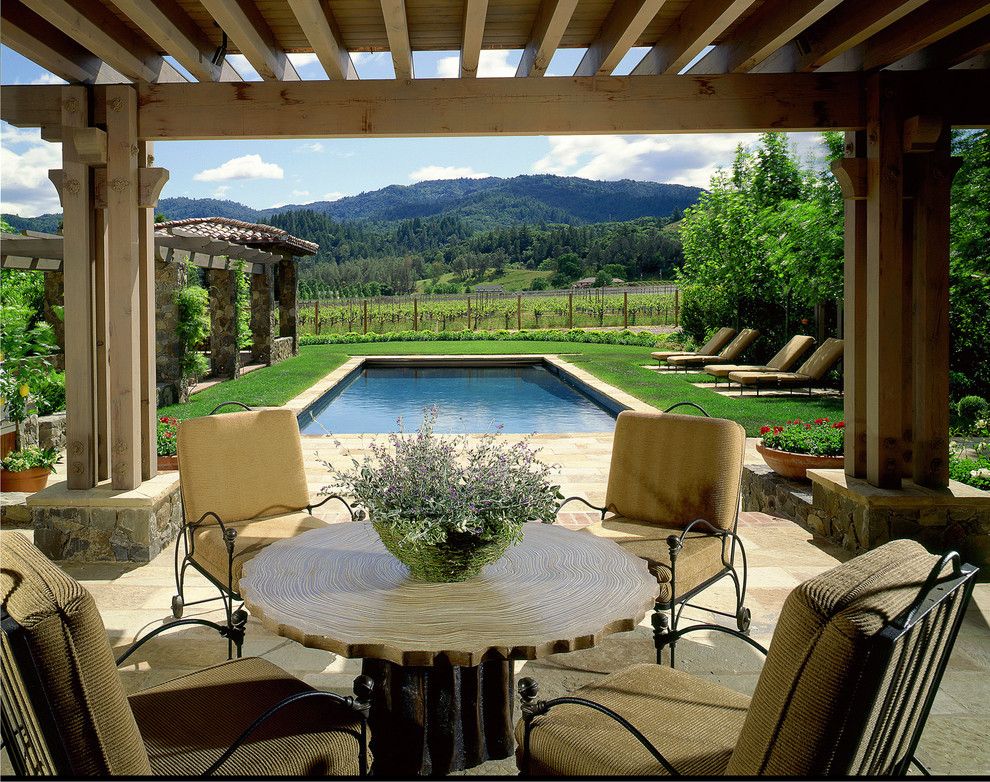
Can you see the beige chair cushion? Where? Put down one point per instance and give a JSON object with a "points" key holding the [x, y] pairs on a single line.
{"points": [[788, 355], [755, 378], [718, 341], [242, 465], [698, 561], [693, 722], [723, 370], [68, 641], [730, 353], [210, 552], [822, 360], [801, 708], [672, 469], [188, 722]]}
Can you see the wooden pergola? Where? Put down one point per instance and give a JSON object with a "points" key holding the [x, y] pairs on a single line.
{"points": [[896, 75]]}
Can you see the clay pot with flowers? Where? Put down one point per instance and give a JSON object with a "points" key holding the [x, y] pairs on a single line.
{"points": [[27, 467], [793, 448], [168, 436]]}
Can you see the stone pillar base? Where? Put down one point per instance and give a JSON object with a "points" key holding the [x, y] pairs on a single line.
{"points": [[107, 525]]}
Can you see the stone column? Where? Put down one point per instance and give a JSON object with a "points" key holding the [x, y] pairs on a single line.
{"points": [[55, 297], [288, 287], [263, 314], [225, 356], [170, 277]]}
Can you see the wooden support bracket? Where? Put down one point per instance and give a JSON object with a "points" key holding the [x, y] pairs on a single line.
{"points": [[150, 184], [922, 132], [850, 173], [57, 175], [90, 144]]}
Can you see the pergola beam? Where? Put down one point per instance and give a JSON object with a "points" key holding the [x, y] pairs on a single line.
{"points": [[773, 25], [697, 26], [397, 29], [474, 30], [624, 24], [320, 27], [920, 29], [471, 107], [91, 25], [960, 47], [551, 22], [168, 25], [247, 28]]}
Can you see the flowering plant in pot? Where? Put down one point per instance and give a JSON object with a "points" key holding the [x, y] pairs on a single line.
{"points": [[793, 448], [447, 506], [168, 435]]}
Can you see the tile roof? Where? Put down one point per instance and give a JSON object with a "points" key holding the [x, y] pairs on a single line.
{"points": [[250, 234]]}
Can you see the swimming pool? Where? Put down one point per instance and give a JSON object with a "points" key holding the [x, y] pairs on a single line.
{"points": [[470, 399]]}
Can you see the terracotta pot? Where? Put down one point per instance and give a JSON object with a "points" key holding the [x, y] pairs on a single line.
{"points": [[168, 463], [27, 481], [796, 465]]}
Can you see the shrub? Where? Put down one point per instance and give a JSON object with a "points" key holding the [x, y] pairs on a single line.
{"points": [[49, 393], [30, 457], [820, 437], [193, 327], [168, 435], [973, 472], [643, 339], [971, 409]]}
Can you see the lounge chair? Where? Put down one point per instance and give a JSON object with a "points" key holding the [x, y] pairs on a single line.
{"points": [[673, 487], [243, 486], [65, 712], [730, 353], [828, 354], [718, 341], [846, 689], [786, 357]]}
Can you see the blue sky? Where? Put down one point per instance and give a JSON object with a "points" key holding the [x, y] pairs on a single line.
{"points": [[263, 174]]}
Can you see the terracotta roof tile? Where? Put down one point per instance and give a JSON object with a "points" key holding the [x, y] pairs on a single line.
{"points": [[250, 234]]}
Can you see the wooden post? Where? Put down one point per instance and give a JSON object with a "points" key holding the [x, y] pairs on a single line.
{"points": [[677, 306], [80, 337], [316, 316], [469, 314], [850, 172], [931, 316], [519, 312], [570, 310], [415, 314], [625, 309], [885, 339], [102, 337], [146, 339], [123, 302], [364, 317]]}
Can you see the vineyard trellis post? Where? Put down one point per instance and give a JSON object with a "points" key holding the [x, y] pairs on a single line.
{"points": [[415, 314], [570, 310], [677, 307], [364, 317], [519, 312], [316, 316], [625, 309]]}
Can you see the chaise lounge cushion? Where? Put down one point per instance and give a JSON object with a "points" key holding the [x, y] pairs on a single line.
{"points": [[210, 552], [698, 561], [732, 352], [718, 341], [692, 721], [184, 736]]}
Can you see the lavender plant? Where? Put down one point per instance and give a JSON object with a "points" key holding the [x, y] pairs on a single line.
{"points": [[448, 497]]}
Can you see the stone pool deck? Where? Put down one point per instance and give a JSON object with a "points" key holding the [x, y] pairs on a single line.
{"points": [[133, 599]]}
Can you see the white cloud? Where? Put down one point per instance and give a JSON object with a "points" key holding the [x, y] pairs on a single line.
{"points": [[221, 192], [300, 193], [244, 167], [335, 195], [26, 189], [314, 147], [493, 63], [49, 78], [303, 59], [427, 173], [243, 67], [687, 159]]}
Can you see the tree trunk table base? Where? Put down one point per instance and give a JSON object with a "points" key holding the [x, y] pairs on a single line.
{"points": [[441, 718]]}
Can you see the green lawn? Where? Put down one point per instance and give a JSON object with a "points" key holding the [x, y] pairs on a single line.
{"points": [[616, 364]]}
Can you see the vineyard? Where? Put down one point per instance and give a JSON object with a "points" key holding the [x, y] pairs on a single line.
{"points": [[588, 307]]}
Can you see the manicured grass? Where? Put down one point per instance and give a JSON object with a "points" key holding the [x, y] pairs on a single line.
{"points": [[619, 365]]}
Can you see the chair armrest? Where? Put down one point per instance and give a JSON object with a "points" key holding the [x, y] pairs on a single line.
{"points": [[678, 634], [356, 515], [224, 631], [603, 511], [360, 703], [532, 708], [224, 404], [688, 404]]}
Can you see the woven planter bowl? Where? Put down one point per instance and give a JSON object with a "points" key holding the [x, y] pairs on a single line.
{"points": [[796, 465], [459, 558]]}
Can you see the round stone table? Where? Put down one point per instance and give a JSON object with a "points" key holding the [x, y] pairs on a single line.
{"points": [[440, 654]]}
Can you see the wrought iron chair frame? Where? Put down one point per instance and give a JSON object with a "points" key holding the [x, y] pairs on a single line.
{"points": [[666, 614], [934, 592], [236, 618], [53, 746]]}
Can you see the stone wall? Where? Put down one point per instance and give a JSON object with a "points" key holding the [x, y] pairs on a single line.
{"points": [[288, 287], [225, 356], [51, 431], [282, 348], [766, 492], [263, 315], [169, 278]]}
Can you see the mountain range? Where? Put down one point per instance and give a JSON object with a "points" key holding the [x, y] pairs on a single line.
{"points": [[481, 203]]}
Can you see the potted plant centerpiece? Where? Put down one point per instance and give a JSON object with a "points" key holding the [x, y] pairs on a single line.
{"points": [[168, 436], [446, 506], [792, 449]]}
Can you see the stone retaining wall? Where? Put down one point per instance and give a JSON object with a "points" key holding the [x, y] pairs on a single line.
{"points": [[282, 349]]}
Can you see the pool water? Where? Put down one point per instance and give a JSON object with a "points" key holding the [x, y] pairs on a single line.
{"points": [[522, 399]]}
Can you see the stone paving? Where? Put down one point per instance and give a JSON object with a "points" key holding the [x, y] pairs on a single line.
{"points": [[133, 599]]}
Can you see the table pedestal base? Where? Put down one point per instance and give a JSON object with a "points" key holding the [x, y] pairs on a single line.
{"points": [[441, 718]]}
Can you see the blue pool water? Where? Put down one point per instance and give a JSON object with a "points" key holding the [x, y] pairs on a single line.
{"points": [[522, 399]]}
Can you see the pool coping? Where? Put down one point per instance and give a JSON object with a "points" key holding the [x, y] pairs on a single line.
{"points": [[615, 395]]}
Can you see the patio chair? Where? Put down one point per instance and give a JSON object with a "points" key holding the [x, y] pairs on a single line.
{"points": [[785, 358], [731, 353], [673, 489], [65, 712], [828, 354], [243, 486], [718, 341], [856, 659]]}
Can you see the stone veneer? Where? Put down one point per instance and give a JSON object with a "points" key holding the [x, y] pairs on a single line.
{"points": [[105, 525], [169, 278], [263, 315], [282, 349], [225, 356]]}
